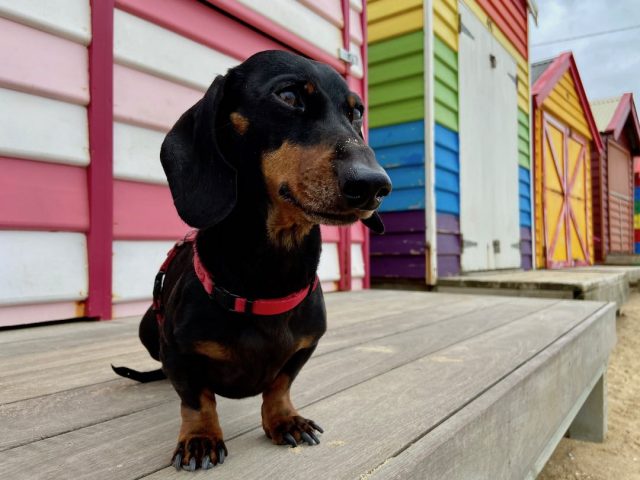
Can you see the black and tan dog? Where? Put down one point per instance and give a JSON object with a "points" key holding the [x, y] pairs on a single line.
{"points": [[273, 149]]}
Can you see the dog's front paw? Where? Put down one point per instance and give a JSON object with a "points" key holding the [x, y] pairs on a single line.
{"points": [[292, 430], [199, 452]]}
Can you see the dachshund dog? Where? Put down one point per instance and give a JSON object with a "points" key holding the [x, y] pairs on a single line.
{"points": [[272, 150]]}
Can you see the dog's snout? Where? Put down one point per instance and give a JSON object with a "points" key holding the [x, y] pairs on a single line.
{"points": [[365, 188]]}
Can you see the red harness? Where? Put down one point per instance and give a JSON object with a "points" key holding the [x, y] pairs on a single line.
{"points": [[230, 301]]}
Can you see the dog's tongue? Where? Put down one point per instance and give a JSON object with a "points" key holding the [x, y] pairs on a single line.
{"points": [[374, 223]]}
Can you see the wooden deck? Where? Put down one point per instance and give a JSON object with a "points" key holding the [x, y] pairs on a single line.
{"points": [[405, 384]]}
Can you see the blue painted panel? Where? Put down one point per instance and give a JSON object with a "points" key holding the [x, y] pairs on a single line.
{"points": [[525, 196], [401, 155], [637, 247], [447, 202], [411, 132], [636, 194], [447, 162], [407, 177], [404, 199], [447, 181]]}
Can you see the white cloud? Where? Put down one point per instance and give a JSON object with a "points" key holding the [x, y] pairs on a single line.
{"points": [[609, 65]]}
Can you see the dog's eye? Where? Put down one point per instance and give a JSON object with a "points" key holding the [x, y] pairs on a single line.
{"points": [[289, 97], [356, 115]]}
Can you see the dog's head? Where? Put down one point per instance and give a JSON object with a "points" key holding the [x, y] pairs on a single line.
{"points": [[296, 123]]}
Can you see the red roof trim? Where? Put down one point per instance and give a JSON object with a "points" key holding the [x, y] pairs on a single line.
{"points": [[551, 76], [625, 107]]}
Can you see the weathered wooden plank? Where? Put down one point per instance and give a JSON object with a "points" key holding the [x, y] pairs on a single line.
{"points": [[474, 443], [378, 418], [318, 380]]}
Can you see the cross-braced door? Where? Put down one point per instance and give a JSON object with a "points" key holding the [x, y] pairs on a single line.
{"points": [[565, 176]]}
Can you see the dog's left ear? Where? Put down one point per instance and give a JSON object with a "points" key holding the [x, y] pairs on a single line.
{"points": [[202, 182], [374, 223]]}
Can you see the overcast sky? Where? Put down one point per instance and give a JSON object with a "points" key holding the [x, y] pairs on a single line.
{"points": [[609, 65]]}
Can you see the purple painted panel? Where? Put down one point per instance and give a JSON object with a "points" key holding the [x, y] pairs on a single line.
{"points": [[448, 265], [398, 244], [399, 266], [525, 247], [526, 262], [411, 221], [525, 233], [448, 244], [447, 223]]}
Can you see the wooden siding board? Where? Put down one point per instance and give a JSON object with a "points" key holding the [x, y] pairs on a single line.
{"points": [[26, 52], [43, 196], [399, 112], [398, 67], [147, 47], [398, 90], [445, 22], [26, 129], [404, 222], [447, 163], [396, 47], [449, 244], [136, 154], [524, 135], [65, 18], [511, 19], [60, 277], [524, 187], [406, 20], [396, 135]]}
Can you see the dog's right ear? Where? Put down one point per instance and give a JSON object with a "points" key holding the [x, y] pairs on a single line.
{"points": [[202, 182]]}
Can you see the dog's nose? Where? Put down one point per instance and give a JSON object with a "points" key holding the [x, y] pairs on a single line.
{"points": [[365, 188]]}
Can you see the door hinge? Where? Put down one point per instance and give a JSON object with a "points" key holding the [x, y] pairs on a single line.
{"points": [[496, 246], [516, 245], [514, 79], [346, 56], [467, 244]]}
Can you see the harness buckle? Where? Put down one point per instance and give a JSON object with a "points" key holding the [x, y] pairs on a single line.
{"points": [[230, 301]]}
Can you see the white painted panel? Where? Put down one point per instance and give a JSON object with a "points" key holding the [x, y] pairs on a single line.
{"points": [[148, 47], [329, 267], [135, 265], [489, 200], [357, 260], [136, 153], [298, 19], [65, 18], [356, 68], [43, 129], [42, 267]]}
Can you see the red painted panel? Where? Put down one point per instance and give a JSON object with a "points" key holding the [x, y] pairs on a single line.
{"points": [[25, 53], [511, 18], [265, 25], [145, 211], [148, 101], [202, 24], [43, 196], [330, 234], [100, 171]]}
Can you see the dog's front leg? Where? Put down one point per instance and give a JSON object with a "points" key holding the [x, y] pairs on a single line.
{"points": [[280, 419], [200, 443]]}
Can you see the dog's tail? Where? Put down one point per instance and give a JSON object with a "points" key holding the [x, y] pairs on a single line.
{"points": [[142, 377]]}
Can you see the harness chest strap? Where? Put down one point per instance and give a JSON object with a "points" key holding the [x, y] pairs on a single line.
{"points": [[228, 300]]}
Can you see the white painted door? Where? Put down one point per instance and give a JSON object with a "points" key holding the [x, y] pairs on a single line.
{"points": [[488, 120]]}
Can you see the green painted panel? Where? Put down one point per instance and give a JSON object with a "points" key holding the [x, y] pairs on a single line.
{"points": [[445, 116], [448, 56], [445, 68], [403, 89], [399, 112], [396, 47], [524, 137], [445, 95], [395, 69]]}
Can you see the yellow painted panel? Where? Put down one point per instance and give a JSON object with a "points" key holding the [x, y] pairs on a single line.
{"points": [[523, 64], [395, 26], [376, 11], [636, 221], [562, 103], [445, 22]]}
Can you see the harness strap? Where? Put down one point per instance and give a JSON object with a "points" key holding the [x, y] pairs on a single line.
{"points": [[226, 299]]}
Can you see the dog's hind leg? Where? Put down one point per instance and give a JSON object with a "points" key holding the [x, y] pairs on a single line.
{"points": [[150, 337], [149, 333]]}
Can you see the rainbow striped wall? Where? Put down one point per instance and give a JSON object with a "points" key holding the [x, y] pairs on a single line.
{"points": [[396, 99], [636, 211], [397, 105]]}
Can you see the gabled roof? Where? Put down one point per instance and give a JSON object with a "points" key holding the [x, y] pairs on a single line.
{"points": [[548, 73], [613, 114]]}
